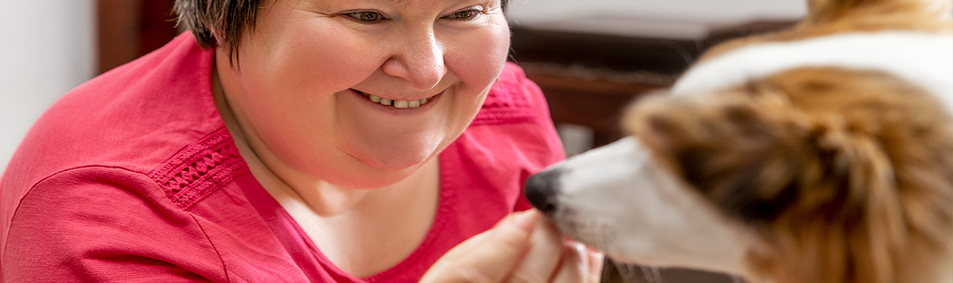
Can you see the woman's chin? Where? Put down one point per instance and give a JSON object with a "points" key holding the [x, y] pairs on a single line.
{"points": [[397, 161], [395, 154]]}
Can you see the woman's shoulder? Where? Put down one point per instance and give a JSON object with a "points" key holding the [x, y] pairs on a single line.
{"points": [[513, 98], [139, 117], [516, 113], [135, 116]]}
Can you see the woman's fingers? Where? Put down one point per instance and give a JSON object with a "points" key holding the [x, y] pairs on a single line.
{"points": [[574, 267], [542, 258], [579, 264], [596, 260], [520, 249], [488, 257]]}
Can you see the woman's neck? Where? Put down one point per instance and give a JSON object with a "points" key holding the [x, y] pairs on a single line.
{"points": [[362, 231]]}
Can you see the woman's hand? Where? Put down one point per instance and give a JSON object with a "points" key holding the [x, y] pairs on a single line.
{"points": [[521, 248]]}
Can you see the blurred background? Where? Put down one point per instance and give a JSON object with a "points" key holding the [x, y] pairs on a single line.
{"points": [[591, 58]]}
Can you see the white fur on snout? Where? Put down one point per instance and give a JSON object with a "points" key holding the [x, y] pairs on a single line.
{"points": [[617, 199]]}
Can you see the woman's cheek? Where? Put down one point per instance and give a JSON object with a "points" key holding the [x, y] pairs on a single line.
{"points": [[478, 57], [327, 59]]}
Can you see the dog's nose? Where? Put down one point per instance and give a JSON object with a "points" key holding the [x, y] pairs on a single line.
{"points": [[541, 190]]}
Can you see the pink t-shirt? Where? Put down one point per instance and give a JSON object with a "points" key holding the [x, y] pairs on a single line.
{"points": [[132, 176]]}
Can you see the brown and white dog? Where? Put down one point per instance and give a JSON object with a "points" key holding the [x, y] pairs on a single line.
{"points": [[823, 153]]}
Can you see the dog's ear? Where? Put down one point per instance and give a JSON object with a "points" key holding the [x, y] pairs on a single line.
{"points": [[853, 161], [815, 6], [828, 10], [848, 206], [825, 10]]}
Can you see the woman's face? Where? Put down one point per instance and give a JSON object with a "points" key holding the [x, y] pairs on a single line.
{"points": [[313, 77]]}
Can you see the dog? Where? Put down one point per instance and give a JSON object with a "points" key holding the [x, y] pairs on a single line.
{"points": [[820, 153]]}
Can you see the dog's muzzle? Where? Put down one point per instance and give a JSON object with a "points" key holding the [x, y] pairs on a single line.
{"points": [[541, 190]]}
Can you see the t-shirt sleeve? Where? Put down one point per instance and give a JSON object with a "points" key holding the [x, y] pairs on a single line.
{"points": [[98, 224]]}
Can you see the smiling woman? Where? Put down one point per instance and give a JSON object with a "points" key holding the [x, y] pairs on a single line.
{"points": [[294, 140], [311, 60]]}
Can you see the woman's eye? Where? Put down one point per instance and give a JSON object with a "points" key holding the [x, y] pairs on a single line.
{"points": [[367, 17], [464, 15]]}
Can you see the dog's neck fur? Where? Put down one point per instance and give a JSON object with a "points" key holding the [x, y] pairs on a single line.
{"points": [[921, 58]]}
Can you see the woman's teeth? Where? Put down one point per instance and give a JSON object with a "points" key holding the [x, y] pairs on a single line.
{"points": [[396, 103]]}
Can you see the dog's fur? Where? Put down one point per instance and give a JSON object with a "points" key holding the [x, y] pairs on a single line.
{"points": [[828, 171]]}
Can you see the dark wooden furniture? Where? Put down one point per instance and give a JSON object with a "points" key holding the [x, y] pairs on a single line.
{"points": [[128, 29], [589, 79]]}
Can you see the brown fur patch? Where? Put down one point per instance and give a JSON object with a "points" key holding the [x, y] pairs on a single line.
{"points": [[847, 175]]}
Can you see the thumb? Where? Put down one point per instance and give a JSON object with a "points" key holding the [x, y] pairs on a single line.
{"points": [[487, 257]]}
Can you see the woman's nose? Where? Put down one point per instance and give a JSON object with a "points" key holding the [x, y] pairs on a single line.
{"points": [[419, 61]]}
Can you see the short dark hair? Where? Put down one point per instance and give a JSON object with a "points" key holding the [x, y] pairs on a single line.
{"points": [[213, 20], [225, 20]]}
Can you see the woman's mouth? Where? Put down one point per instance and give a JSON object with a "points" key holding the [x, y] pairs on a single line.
{"points": [[394, 103]]}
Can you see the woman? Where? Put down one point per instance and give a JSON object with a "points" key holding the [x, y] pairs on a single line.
{"points": [[294, 140]]}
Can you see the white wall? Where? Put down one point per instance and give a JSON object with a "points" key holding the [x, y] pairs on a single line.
{"points": [[47, 47]]}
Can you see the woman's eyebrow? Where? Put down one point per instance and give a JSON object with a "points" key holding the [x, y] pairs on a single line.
{"points": [[409, 3]]}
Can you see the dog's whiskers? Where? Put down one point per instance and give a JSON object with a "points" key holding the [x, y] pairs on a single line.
{"points": [[627, 272], [596, 231]]}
